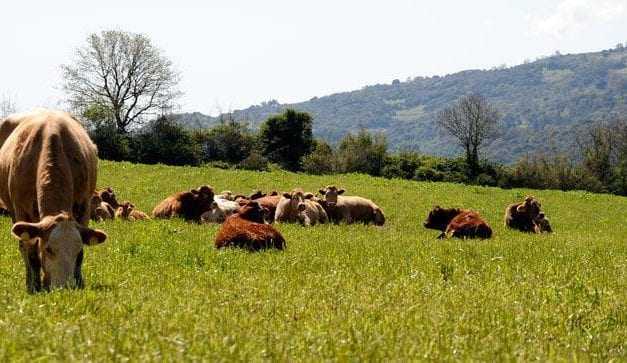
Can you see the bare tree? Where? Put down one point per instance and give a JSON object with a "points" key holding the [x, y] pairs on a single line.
{"points": [[472, 121], [124, 73], [7, 106]]}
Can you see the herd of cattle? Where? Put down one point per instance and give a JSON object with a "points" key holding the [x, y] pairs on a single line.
{"points": [[48, 168]]}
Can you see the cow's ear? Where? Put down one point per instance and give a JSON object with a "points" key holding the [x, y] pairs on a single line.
{"points": [[341, 191], [308, 196], [322, 191], [287, 195], [91, 237], [26, 231]]}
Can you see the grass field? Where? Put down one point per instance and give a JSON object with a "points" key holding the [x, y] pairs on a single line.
{"points": [[159, 290]]}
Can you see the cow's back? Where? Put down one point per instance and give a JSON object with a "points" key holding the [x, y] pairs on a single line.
{"points": [[360, 209], [48, 164]]}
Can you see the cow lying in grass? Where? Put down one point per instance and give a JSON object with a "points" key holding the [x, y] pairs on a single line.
{"points": [[455, 222], [297, 207], [127, 211], [246, 229], [108, 196], [188, 205], [350, 209], [527, 216], [100, 210]]}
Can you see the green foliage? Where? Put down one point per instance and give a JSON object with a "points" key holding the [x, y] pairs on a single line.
{"points": [[362, 153], [255, 161], [159, 290], [286, 138], [230, 142], [402, 165], [321, 160], [164, 141]]}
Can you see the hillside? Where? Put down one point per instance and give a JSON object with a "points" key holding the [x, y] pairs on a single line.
{"points": [[159, 291], [543, 103]]}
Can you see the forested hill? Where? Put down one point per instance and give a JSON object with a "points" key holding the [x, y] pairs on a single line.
{"points": [[542, 102]]}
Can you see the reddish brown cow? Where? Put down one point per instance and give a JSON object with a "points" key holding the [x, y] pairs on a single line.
{"points": [[246, 229], [100, 210], [455, 222], [188, 205], [48, 170]]}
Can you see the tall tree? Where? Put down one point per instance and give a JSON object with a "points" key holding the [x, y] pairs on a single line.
{"points": [[286, 138], [125, 73], [472, 121]]}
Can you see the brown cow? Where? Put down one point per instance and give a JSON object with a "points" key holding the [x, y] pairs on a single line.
{"points": [[188, 205], [108, 196], [269, 202], [455, 222], [297, 206], [47, 178], [351, 209], [542, 224], [127, 211], [246, 229], [100, 210], [524, 216]]}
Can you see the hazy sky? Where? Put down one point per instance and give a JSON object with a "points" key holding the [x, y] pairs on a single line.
{"points": [[233, 54]]}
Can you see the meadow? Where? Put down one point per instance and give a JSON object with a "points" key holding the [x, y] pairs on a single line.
{"points": [[159, 290]]}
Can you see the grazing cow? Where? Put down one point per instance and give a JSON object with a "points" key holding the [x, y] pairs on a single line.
{"points": [[297, 206], [351, 209], [47, 178], [188, 205], [269, 202], [108, 196], [455, 222], [523, 216], [246, 229], [128, 212], [100, 210]]}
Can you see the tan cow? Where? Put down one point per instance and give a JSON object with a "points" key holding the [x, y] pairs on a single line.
{"points": [[297, 206], [350, 209], [47, 178], [127, 211]]}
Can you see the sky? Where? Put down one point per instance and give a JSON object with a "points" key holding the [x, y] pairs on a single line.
{"points": [[233, 54]]}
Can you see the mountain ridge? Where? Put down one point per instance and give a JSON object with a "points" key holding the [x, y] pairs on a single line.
{"points": [[543, 103]]}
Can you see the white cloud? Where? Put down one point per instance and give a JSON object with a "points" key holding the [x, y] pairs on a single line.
{"points": [[577, 15]]}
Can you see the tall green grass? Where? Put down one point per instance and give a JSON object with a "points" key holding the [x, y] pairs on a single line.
{"points": [[159, 290]]}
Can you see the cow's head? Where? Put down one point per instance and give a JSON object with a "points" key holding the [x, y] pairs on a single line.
{"points": [[253, 212], [256, 195], [331, 193], [202, 198], [296, 200], [125, 209], [439, 218], [530, 207], [108, 195], [59, 242]]}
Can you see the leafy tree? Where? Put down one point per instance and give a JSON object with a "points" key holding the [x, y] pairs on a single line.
{"points": [[165, 142], [362, 153], [125, 73], [286, 138], [230, 141], [321, 160]]}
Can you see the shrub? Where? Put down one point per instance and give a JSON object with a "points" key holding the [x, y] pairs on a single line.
{"points": [[165, 142], [254, 161], [362, 153], [320, 161]]}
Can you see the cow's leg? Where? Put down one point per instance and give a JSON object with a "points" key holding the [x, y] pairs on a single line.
{"points": [[78, 274], [30, 255]]}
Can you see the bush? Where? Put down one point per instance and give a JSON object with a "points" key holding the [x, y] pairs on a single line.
{"points": [[254, 161], [165, 142], [402, 165], [230, 142], [111, 145], [286, 138], [362, 153], [320, 161]]}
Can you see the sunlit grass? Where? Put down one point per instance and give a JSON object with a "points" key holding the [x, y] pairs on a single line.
{"points": [[159, 290]]}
